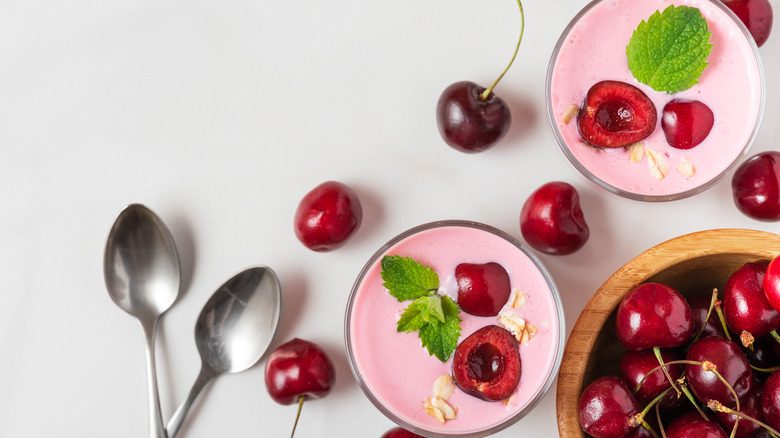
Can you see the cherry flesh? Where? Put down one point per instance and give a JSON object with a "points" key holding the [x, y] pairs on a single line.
{"points": [[756, 15], [399, 432], [653, 315], [296, 369], [552, 221], [636, 367], [469, 123], [756, 187], [729, 361], [616, 114], [327, 216], [771, 283], [770, 400], [483, 289], [606, 408], [487, 364], [686, 123], [745, 305]]}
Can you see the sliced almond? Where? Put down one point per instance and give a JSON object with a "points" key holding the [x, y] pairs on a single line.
{"points": [[443, 387], [512, 322], [447, 411], [685, 167], [569, 113], [433, 411], [517, 300], [657, 164], [636, 151]]}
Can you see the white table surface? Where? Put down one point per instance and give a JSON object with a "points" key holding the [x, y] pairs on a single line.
{"points": [[220, 116]]}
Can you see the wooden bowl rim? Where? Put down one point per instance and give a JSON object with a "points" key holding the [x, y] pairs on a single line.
{"points": [[669, 253]]}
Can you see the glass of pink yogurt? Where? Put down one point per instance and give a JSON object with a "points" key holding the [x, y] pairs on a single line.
{"points": [[592, 48], [397, 373]]}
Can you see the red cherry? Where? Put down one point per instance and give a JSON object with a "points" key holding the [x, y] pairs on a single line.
{"points": [[552, 220], [483, 289], [487, 364], [327, 216], [745, 305], [653, 315], [606, 408], [770, 400], [692, 425], [686, 123], [398, 432], [756, 187], [637, 367], [771, 283], [616, 114], [729, 361], [468, 122], [756, 15]]}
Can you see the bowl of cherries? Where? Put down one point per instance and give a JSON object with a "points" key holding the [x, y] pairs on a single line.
{"points": [[682, 339]]}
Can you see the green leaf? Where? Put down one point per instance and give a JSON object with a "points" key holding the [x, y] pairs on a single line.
{"points": [[441, 338], [414, 316], [407, 279], [669, 51]]}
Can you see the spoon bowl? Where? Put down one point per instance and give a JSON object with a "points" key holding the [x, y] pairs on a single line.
{"points": [[143, 277], [234, 330]]}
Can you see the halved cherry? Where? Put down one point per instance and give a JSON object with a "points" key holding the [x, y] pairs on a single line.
{"points": [[487, 364], [616, 114], [686, 123]]}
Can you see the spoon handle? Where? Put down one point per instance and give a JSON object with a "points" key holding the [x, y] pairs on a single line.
{"points": [[156, 429], [176, 421]]}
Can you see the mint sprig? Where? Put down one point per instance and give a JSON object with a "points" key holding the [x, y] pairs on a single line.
{"points": [[435, 317], [669, 51]]}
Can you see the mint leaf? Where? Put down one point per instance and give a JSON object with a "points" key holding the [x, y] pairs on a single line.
{"points": [[436, 318], [407, 279], [669, 51]]}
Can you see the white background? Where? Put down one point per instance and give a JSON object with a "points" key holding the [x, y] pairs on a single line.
{"points": [[220, 116]]}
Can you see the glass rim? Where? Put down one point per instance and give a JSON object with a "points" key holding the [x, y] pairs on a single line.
{"points": [[552, 122], [561, 341]]}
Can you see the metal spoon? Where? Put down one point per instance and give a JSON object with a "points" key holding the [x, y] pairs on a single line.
{"points": [[234, 330], [142, 273]]}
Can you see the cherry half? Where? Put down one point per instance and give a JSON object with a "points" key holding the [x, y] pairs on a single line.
{"points": [[756, 186], [327, 216], [483, 289], [757, 16], [552, 220], [686, 123], [472, 118], [296, 371], [616, 114], [487, 364]]}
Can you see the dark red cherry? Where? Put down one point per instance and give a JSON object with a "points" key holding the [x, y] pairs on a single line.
{"points": [[729, 361], [686, 123], [399, 432], [750, 406], [756, 187], [638, 366], [327, 216], [616, 114], [469, 123], [771, 283], [756, 15], [653, 315], [487, 364], [700, 306], [298, 369], [745, 305], [606, 408], [692, 425], [770, 400], [483, 289], [552, 220]]}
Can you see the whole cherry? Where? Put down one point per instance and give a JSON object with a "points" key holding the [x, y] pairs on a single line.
{"points": [[686, 123], [771, 283], [653, 315], [483, 289], [552, 221], [641, 367], [327, 216], [756, 186], [471, 118], [729, 361], [747, 310], [296, 371], [705, 325], [756, 15], [399, 432], [607, 408], [770, 400], [750, 406], [692, 425]]}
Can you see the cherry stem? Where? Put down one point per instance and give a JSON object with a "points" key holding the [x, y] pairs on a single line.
{"points": [[489, 89], [657, 352], [657, 417], [718, 407], [298, 415], [709, 312], [688, 394], [722, 319], [769, 370], [775, 335]]}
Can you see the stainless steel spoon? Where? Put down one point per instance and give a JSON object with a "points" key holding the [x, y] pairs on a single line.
{"points": [[234, 330], [143, 277]]}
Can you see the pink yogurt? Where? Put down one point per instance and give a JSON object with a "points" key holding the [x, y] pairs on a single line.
{"points": [[397, 373], [593, 48]]}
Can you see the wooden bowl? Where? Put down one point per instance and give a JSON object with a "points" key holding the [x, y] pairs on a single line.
{"points": [[692, 263]]}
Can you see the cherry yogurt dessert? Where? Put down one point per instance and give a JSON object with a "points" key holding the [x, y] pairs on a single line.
{"points": [[623, 117], [489, 356]]}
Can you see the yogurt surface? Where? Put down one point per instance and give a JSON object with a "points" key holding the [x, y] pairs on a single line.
{"points": [[594, 49], [398, 373]]}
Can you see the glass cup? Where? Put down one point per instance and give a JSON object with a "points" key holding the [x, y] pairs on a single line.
{"points": [[592, 48], [397, 373]]}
